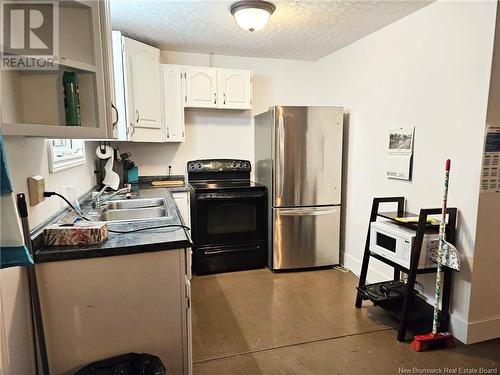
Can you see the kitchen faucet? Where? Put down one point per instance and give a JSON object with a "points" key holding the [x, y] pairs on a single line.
{"points": [[96, 201]]}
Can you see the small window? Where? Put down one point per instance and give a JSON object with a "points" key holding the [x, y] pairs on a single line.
{"points": [[65, 153]]}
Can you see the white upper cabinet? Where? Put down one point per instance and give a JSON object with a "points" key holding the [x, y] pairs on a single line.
{"points": [[201, 87], [173, 102], [235, 89], [112, 115], [218, 88], [143, 94]]}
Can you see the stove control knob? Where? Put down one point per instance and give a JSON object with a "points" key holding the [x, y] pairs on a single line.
{"points": [[233, 164], [246, 164], [199, 165]]}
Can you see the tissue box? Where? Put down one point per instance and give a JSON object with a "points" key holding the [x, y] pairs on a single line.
{"points": [[78, 234]]}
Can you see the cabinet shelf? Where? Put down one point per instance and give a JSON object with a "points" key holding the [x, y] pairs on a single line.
{"points": [[400, 267], [33, 100], [419, 319], [77, 65], [51, 131]]}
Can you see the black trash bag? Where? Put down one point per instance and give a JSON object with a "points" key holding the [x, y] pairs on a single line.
{"points": [[126, 364]]}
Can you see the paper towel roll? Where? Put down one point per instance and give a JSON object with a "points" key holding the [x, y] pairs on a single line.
{"points": [[108, 152], [111, 178]]}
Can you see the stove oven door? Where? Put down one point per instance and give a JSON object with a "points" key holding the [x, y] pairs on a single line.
{"points": [[236, 217]]}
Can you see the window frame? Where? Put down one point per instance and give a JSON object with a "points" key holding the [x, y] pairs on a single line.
{"points": [[68, 154]]}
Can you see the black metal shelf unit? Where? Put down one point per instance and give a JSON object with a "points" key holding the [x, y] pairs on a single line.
{"points": [[409, 308]]}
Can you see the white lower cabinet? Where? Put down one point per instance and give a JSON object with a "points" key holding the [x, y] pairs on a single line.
{"points": [[101, 307], [188, 342], [182, 199]]}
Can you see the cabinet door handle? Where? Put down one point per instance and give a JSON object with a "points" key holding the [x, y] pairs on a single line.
{"points": [[215, 98], [117, 116], [131, 130], [224, 98], [138, 118]]}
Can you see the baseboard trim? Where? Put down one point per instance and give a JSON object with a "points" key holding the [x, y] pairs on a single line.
{"points": [[375, 274], [482, 330], [458, 328]]}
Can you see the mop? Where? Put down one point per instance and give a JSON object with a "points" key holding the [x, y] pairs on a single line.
{"points": [[437, 339]]}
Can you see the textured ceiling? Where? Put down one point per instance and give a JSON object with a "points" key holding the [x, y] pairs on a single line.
{"points": [[305, 30]]}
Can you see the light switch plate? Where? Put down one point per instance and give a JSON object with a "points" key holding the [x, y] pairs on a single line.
{"points": [[36, 188]]}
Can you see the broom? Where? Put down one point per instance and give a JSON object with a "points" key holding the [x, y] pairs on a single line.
{"points": [[435, 339], [36, 311]]}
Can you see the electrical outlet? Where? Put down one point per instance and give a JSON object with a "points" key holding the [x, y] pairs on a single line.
{"points": [[36, 188]]}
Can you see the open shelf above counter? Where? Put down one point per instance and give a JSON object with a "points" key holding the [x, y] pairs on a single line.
{"points": [[33, 102], [76, 65]]}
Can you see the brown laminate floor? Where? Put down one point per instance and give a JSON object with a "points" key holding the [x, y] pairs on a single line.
{"points": [[259, 322]]}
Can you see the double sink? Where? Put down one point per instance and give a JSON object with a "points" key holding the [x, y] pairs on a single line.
{"points": [[132, 209]]}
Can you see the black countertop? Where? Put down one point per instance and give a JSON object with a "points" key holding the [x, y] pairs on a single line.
{"points": [[130, 243]]}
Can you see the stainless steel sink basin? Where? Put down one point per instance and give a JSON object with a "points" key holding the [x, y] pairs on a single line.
{"points": [[135, 203], [133, 214]]}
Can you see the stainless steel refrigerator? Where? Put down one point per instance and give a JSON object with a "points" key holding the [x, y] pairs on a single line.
{"points": [[298, 156]]}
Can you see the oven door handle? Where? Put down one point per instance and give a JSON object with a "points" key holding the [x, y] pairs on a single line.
{"points": [[234, 250], [201, 198]]}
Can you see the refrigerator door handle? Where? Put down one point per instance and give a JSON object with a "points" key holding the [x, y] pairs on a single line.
{"points": [[281, 145], [313, 211]]}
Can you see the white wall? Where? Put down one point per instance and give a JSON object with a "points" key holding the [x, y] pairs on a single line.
{"points": [[27, 157], [226, 134], [429, 70]]}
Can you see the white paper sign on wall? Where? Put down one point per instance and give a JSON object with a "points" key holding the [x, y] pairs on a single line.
{"points": [[400, 153]]}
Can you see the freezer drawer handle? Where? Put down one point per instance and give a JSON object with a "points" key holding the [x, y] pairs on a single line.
{"points": [[307, 211]]}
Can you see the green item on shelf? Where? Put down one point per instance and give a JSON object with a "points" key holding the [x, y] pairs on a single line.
{"points": [[71, 99]]}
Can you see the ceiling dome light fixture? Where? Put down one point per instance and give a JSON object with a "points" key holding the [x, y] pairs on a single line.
{"points": [[252, 15]]}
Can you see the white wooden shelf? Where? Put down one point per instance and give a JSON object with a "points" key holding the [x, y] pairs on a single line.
{"points": [[72, 64], [52, 131], [33, 101]]}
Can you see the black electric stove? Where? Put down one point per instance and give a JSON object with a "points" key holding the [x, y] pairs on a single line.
{"points": [[228, 215]]}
